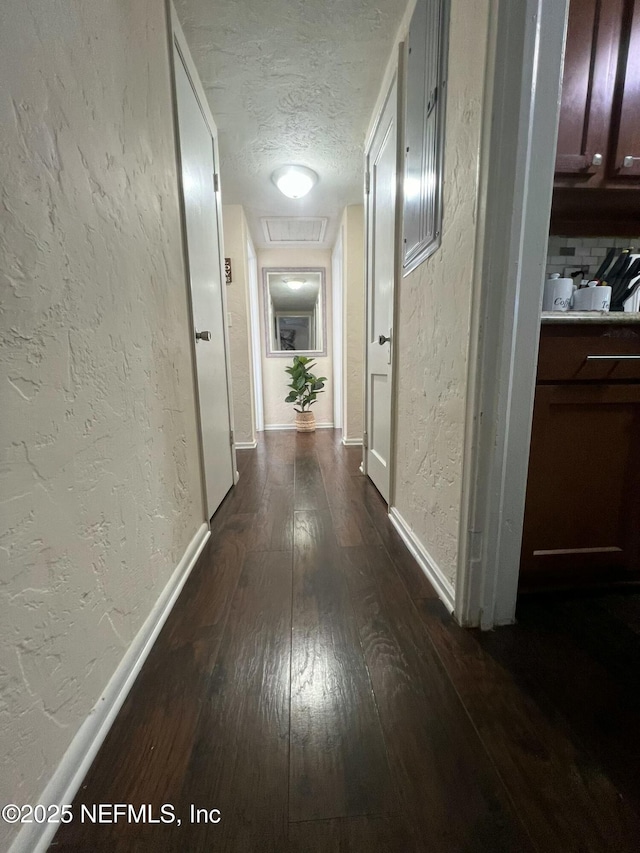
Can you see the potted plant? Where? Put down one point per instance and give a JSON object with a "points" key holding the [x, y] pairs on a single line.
{"points": [[305, 388]]}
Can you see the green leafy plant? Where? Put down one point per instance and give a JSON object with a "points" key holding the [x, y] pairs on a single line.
{"points": [[305, 387]]}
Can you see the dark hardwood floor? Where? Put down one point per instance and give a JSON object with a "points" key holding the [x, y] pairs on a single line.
{"points": [[311, 687]]}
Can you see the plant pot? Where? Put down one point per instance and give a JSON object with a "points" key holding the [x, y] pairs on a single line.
{"points": [[305, 422]]}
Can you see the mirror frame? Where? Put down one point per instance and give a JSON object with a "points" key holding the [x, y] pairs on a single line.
{"points": [[265, 304]]}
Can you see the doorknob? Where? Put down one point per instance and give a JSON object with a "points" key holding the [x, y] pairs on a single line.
{"points": [[203, 336], [382, 340]]}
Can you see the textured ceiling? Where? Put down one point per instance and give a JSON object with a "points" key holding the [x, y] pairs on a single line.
{"points": [[291, 81]]}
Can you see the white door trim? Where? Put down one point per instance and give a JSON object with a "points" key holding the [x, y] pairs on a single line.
{"points": [[255, 342], [178, 38], [397, 332], [517, 180], [337, 305]]}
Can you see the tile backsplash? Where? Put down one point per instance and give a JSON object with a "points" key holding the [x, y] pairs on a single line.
{"points": [[568, 254]]}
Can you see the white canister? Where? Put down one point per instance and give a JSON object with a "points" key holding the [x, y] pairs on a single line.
{"points": [[558, 293], [592, 298]]}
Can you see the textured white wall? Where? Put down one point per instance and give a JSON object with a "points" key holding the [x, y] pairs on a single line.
{"points": [[274, 378], [100, 477], [235, 247], [435, 305], [354, 321]]}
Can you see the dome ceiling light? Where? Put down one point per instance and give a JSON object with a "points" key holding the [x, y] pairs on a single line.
{"points": [[294, 181], [295, 284]]}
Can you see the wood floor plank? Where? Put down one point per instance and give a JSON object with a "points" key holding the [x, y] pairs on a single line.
{"points": [[339, 491], [235, 500], [353, 523], [376, 508], [338, 764], [575, 807], [278, 445], [440, 767], [399, 732], [281, 475], [624, 608], [153, 737], [274, 519], [264, 522], [348, 457], [267, 531], [353, 456], [309, 492], [271, 527], [206, 597], [369, 834], [104, 844], [153, 733], [243, 458], [239, 761], [360, 515], [582, 666], [247, 495]]}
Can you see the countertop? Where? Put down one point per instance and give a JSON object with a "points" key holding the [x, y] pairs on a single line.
{"points": [[613, 317]]}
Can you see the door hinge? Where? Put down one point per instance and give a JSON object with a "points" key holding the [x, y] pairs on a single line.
{"points": [[231, 438], [216, 182], [365, 440], [367, 182]]}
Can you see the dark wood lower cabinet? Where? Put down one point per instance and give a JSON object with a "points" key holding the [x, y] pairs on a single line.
{"points": [[582, 516]]}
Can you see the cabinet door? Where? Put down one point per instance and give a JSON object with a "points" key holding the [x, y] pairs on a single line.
{"points": [[590, 64], [582, 514], [628, 131]]}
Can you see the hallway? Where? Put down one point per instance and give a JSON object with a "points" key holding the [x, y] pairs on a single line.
{"points": [[310, 686]]}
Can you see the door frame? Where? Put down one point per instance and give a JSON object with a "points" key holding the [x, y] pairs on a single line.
{"points": [[524, 77], [255, 338], [395, 348], [337, 308], [394, 82], [177, 39]]}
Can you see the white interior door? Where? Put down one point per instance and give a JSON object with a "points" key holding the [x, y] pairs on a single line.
{"points": [[381, 264], [204, 251]]}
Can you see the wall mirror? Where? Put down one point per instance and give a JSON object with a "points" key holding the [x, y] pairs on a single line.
{"points": [[294, 310]]}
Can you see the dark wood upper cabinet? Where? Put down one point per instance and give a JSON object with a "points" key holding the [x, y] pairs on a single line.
{"points": [[626, 159], [588, 85], [597, 183]]}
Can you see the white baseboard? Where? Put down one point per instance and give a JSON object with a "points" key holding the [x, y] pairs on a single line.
{"points": [[246, 445], [293, 426], [352, 442], [424, 559], [68, 776]]}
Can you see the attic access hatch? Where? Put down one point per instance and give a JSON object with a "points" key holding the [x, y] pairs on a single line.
{"points": [[294, 230]]}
